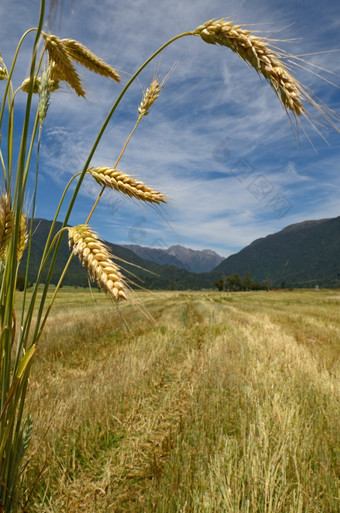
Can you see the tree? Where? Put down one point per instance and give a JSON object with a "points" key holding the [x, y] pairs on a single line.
{"points": [[219, 284], [233, 282]]}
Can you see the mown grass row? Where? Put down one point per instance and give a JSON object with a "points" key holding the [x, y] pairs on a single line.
{"points": [[222, 403]]}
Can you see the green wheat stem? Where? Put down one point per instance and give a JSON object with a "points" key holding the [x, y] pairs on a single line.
{"points": [[31, 225], [54, 296], [9, 438], [46, 253], [12, 70]]}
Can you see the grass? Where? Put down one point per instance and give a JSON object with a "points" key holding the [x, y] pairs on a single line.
{"points": [[225, 402]]}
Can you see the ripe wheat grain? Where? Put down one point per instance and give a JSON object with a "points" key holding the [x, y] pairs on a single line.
{"points": [[149, 98], [258, 53], [6, 224], [23, 237], [84, 56], [124, 183], [95, 257]]}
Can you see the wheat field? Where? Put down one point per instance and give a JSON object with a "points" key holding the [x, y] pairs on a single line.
{"points": [[221, 402]]}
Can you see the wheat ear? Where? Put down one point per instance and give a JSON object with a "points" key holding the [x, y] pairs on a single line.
{"points": [[84, 56], [63, 51], [61, 65], [149, 98], [259, 55], [3, 73], [25, 86], [37, 82], [124, 183], [3, 70], [23, 237], [95, 257], [6, 224]]}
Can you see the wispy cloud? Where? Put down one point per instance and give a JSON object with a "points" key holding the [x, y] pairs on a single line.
{"points": [[217, 140]]}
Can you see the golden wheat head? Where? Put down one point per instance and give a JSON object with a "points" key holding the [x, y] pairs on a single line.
{"points": [[25, 86], [149, 98], [84, 56], [3, 70], [23, 237], [61, 65], [63, 51], [6, 224], [124, 183], [259, 55], [97, 260], [3, 73], [53, 85]]}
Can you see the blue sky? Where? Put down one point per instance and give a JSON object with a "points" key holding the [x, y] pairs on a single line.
{"points": [[217, 141]]}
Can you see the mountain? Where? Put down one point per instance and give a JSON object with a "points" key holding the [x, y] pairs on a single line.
{"points": [[156, 255], [195, 261], [142, 272], [302, 254]]}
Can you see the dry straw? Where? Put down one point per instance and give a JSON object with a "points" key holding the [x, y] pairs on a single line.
{"points": [[124, 183], [257, 52], [95, 257]]}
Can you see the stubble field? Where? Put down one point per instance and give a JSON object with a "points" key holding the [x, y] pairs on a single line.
{"points": [[203, 402]]}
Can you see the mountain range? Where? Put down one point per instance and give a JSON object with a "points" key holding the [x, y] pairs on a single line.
{"points": [[195, 261], [301, 255]]}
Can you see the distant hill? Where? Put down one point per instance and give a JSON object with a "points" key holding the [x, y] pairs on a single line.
{"points": [[143, 272], [302, 254], [195, 261]]}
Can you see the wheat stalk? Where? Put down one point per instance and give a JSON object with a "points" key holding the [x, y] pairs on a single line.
{"points": [[95, 257], [257, 52], [124, 183]]}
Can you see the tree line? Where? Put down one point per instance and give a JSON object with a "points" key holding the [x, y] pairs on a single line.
{"points": [[235, 282]]}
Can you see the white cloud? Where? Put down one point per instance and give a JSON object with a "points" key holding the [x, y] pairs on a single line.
{"points": [[213, 116]]}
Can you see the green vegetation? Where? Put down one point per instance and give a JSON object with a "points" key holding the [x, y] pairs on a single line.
{"points": [[222, 403], [237, 283]]}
